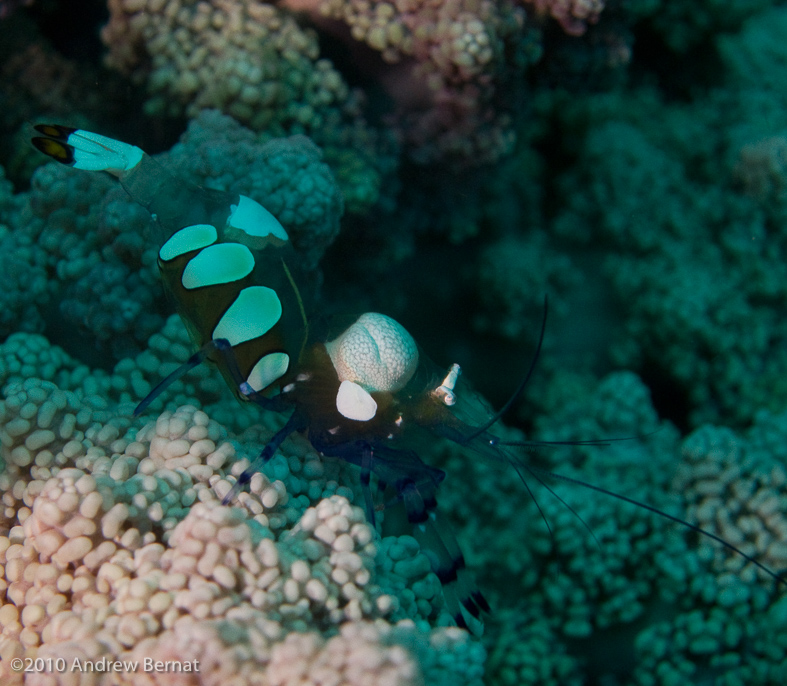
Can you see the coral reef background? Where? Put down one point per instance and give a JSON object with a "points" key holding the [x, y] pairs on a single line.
{"points": [[448, 163]]}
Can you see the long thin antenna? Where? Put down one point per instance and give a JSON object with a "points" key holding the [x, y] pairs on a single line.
{"points": [[666, 515], [552, 491], [495, 417]]}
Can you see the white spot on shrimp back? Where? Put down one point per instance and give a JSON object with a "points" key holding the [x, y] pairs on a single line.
{"points": [[268, 368], [376, 352], [216, 264], [255, 221], [354, 402], [252, 314], [187, 239]]}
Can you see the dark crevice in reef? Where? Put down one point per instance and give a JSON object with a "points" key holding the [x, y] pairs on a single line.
{"points": [[667, 394], [73, 28], [360, 66], [75, 342], [610, 655], [679, 75]]}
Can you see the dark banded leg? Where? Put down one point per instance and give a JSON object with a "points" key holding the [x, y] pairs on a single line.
{"points": [[380, 490], [366, 474], [222, 346], [470, 596], [359, 453], [293, 424], [194, 361], [463, 600]]}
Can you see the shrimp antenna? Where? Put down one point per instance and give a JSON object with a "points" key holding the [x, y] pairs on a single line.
{"points": [[516, 465], [662, 513], [603, 442], [497, 415]]}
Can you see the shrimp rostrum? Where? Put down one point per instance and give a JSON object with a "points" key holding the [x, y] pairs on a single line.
{"points": [[364, 394]]}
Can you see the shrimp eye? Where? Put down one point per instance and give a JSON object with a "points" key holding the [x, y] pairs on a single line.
{"points": [[445, 391]]}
